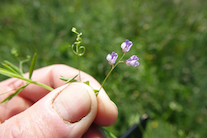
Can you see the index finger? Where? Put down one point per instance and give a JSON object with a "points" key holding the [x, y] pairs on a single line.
{"points": [[50, 76]]}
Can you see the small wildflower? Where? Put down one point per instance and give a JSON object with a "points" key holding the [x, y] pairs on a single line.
{"points": [[132, 61], [126, 46], [112, 58]]}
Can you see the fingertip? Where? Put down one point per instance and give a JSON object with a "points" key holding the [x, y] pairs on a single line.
{"points": [[107, 111], [94, 132]]}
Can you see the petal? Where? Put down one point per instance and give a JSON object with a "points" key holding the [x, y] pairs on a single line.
{"points": [[129, 43], [108, 57], [126, 46], [134, 57], [114, 54], [123, 45], [112, 57], [137, 64]]}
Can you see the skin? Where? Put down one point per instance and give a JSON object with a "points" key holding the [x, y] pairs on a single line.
{"points": [[35, 112]]}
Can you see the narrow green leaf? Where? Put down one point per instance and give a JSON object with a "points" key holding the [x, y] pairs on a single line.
{"points": [[13, 67], [14, 94], [32, 66], [86, 82], [6, 66], [63, 78], [72, 79], [69, 79], [96, 91], [11, 74]]}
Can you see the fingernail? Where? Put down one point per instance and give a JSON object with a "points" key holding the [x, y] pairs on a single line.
{"points": [[73, 103]]}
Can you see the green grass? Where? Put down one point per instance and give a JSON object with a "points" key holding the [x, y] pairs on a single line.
{"points": [[169, 37]]}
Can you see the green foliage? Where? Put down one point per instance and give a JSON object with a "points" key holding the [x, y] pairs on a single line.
{"points": [[14, 94], [77, 49], [160, 129], [169, 38], [31, 69], [11, 70], [67, 80]]}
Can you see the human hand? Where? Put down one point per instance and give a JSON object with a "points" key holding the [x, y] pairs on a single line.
{"points": [[72, 110]]}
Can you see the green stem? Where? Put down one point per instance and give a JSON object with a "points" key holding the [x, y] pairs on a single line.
{"points": [[113, 66], [79, 68], [21, 65], [11, 74], [42, 85]]}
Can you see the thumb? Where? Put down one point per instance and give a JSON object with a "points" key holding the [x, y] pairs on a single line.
{"points": [[67, 111]]}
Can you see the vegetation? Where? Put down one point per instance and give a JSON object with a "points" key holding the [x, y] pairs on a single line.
{"points": [[169, 37]]}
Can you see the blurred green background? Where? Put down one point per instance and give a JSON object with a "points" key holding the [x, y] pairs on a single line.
{"points": [[169, 37]]}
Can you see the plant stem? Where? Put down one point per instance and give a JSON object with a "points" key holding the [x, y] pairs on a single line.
{"points": [[113, 66], [11, 74], [42, 85], [79, 68]]}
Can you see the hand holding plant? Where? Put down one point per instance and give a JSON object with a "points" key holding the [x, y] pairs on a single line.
{"points": [[35, 114], [74, 102]]}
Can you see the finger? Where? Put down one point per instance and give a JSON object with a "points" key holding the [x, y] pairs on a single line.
{"points": [[15, 105], [94, 132], [68, 111], [107, 111], [50, 76], [32, 93]]}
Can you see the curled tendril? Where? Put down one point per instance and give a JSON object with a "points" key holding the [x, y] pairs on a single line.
{"points": [[77, 49]]}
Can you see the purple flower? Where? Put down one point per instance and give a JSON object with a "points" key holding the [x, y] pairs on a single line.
{"points": [[126, 46], [112, 58], [132, 61]]}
